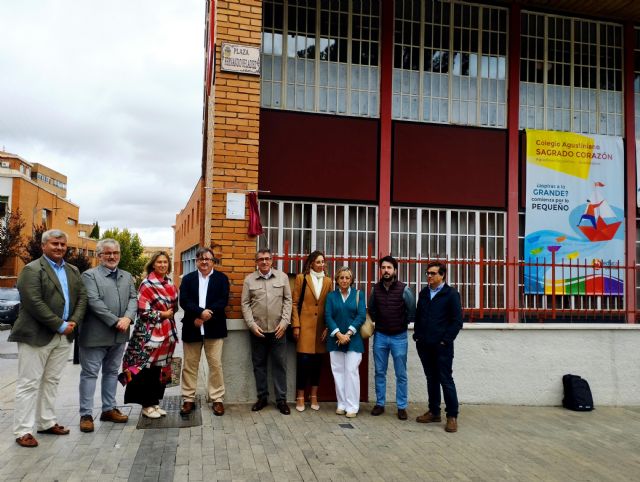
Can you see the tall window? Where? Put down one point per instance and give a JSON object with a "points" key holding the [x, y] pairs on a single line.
{"points": [[321, 56], [188, 259], [450, 63], [459, 236], [570, 75], [4, 206], [345, 231]]}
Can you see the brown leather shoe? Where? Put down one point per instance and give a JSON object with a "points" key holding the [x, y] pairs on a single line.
{"points": [[452, 425], [402, 414], [86, 423], [187, 408], [114, 415], [56, 430], [377, 410], [428, 418], [27, 440], [218, 408]]}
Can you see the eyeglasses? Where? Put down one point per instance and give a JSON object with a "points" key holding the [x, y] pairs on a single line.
{"points": [[263, 260], [433, 273], [205, 259], [110, 253]]}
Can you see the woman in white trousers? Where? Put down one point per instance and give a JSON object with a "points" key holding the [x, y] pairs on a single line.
{"points": [[345, 312]]}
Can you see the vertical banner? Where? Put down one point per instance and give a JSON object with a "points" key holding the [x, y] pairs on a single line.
{"points": [[575, 214]]}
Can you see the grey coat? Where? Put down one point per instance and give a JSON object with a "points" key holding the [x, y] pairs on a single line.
{"points": [[108, 300], [42, 302]]}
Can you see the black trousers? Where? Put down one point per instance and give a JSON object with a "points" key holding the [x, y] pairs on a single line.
{"points": [[263, 349], [437, 362], [145, 388], [308, 367]]}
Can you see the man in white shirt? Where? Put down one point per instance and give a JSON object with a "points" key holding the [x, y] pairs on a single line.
{"points": [[204, 294]]}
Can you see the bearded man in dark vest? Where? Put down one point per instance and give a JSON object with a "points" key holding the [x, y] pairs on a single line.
{"points": [[392, 306]]}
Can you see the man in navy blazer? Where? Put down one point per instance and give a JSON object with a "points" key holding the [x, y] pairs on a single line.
{"points": [[204, 294], [438, 321]]}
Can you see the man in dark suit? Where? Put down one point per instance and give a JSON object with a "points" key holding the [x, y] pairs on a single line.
{"points": [[438, 321], [53, 303], [204, 294]]}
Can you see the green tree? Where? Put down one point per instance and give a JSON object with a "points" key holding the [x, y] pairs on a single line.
{"points": [[95, 232], [11, 242], [131, 258], [33, 247], [78, 259]]}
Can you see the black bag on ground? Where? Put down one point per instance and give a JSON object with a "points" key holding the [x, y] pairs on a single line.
{"points": [[577, 394]]}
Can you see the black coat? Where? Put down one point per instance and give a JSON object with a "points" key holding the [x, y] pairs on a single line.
{"points": [[438, 319], [217, 300]]}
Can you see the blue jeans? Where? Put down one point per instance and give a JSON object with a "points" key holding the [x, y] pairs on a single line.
{"points": [[91, 359], [397, 346], [437, 362]]}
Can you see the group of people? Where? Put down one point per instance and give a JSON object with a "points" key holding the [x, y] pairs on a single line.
{"points": [[130, 335], [324, 320]]}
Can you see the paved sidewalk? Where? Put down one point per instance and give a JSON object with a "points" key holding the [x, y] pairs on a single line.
{"points": [[494, 443]]}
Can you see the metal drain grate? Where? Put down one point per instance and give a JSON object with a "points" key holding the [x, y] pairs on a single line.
{"points": [[345, 425], [173, 419], [9, 356]]}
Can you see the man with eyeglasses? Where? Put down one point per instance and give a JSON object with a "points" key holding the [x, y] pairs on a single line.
{"points": [[266, 308], [438, 322], [204, 295], [112, 306]]}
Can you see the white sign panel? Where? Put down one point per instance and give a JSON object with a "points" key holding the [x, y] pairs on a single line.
{"points": [[243, 59], [235, 205]]}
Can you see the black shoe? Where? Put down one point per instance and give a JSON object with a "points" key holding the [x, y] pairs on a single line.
{"points": [[377, 410], [283, 407], [259, 405], [402, 414]]}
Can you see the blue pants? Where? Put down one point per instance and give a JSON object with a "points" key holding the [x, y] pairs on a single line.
{"points": [[437, 362], [397, 346], [92, 359]]}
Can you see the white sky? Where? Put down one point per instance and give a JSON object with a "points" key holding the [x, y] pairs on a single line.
{"points": [[110, 94]]}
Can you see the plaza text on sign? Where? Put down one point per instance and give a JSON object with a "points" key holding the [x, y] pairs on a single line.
{"points": [[242, 59]]}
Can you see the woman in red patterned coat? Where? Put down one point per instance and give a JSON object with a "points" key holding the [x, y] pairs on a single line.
{"points": [[147, 361]]}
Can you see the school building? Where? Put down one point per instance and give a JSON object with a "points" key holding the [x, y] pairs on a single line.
{"points": [[400, 127]]}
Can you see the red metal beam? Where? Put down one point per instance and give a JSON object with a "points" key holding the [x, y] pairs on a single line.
{"points": [[630, 168], [513, 169], [386, 128]]}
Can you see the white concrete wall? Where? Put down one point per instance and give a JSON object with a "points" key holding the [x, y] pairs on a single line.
{"points": [[494, 363]]}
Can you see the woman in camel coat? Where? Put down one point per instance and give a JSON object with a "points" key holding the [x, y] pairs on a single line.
{"points": [[309, 329]]}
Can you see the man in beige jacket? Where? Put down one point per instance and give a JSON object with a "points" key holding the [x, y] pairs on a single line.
{"points": [[266, 308]]}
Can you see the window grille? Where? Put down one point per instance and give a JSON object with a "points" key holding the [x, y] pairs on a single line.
{"points": [[331, 56], [450, 63], [343, 231], [457, 237], [188, 259], [570, 75]]}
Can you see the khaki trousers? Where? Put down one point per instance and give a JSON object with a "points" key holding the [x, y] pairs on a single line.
{"points": [[191, 363], [39, 372]]}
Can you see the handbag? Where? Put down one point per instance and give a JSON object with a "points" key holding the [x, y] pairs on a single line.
{"points": [[367, 328]]}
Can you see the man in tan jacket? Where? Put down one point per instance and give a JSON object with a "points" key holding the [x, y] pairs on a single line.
{"points": [[266, 308]]}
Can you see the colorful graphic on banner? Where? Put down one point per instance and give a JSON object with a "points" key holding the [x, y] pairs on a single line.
{"points": [[575, 214]]}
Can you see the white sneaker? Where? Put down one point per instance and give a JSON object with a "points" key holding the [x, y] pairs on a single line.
{"points": [[150, 412], [352, 414], [339, 411], [162, 412]]}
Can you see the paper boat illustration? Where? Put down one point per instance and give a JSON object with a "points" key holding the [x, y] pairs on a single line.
{"points": [[596, 212]]}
